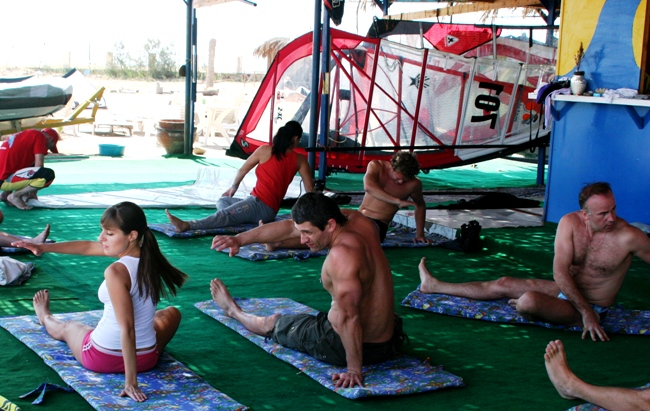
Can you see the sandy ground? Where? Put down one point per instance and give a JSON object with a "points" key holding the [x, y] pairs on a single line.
{"points": [[141, 104]]}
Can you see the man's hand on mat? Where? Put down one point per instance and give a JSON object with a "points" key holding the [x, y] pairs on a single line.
{"points": [[421, 240], [348, 379], [219, 242], [591, 326], [134, 392]]}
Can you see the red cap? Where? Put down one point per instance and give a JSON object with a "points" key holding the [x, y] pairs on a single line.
{"points": [[54, 136]]}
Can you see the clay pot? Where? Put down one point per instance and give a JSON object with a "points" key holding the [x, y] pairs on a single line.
{"points": [[171, 135], [578, 83]]}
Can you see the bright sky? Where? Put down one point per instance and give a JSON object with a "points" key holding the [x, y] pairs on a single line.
{"points": [[80, 33]]}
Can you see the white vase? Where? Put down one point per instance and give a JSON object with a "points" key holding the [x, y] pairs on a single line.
{"points": [[578, 83]]}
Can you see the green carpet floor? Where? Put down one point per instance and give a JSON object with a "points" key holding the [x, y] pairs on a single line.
{"points": [[502, 365]]}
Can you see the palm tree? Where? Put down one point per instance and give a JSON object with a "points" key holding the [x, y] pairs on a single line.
{"points": [[270, 48]]}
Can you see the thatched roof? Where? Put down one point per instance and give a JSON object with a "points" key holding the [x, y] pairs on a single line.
{"points": [[467, 6], [270, 48]]}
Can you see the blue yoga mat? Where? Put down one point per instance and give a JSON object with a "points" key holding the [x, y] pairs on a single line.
{"points": [[617, 321], [169, 230], [400, 376], [398, 236], [169, 386]]}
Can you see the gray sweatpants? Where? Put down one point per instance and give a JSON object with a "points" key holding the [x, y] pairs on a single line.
{"points": [[235, 211]]}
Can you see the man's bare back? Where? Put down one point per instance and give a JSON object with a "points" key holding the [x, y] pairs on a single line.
{"points": [[357, 247]]}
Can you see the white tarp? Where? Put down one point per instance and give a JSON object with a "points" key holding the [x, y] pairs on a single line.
{"points": [[210, 184]]}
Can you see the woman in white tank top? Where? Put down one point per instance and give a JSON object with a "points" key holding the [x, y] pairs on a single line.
{"points": [[131, 333]]}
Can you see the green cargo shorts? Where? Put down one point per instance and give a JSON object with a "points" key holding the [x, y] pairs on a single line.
{"points": [[314, 335]]}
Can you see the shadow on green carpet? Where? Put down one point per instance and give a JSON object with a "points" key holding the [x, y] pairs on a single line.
{"points": [[502, 365]]}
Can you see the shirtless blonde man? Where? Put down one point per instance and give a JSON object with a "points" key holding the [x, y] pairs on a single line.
{"points": [[388, 187], [360, 325], [593, 252]]}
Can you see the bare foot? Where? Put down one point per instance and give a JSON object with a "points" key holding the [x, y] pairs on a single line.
{"points": [[513, 302], [179, 225], [42, 305], [256, 324], [222, 297], [40, 239], [558, 369], [18, 202], [428, 282]]}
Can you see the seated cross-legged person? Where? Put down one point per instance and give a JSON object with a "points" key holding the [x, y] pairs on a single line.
{"points": [[22, 165]]}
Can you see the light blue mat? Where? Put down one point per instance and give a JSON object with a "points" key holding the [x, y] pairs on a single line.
{"points": [[400, 376], [169, 386], [617, 320], [398, 236], [169, 230]]}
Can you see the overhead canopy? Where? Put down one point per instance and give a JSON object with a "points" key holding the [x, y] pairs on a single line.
{"points": [[205, 3], [465, 6]]}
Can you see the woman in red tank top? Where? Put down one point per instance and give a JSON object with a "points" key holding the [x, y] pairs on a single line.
{"points": [[277, 165]]}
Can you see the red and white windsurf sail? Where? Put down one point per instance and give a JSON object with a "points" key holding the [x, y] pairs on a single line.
{"points": [[450, 109]]}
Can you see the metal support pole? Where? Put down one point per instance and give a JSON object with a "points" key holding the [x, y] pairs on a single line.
{"points": [[541, 163], [541, 152], [188, 130], [325, 97], [315, 83], [193, 76]]}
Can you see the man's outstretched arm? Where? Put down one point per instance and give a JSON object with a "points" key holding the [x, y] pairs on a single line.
{"points": [[268, 233]]}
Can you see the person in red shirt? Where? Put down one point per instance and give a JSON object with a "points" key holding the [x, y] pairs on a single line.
{"points": [[276, 165], [22, 171]]}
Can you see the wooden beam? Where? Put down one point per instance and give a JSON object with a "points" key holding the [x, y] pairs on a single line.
{"points": [[464, 8]]}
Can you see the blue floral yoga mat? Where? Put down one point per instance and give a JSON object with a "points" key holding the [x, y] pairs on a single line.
{"points": [[169, 230], [591, 407], [617, 321], [170, 385], [258, 252], [398, 236], [403, 375]]}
